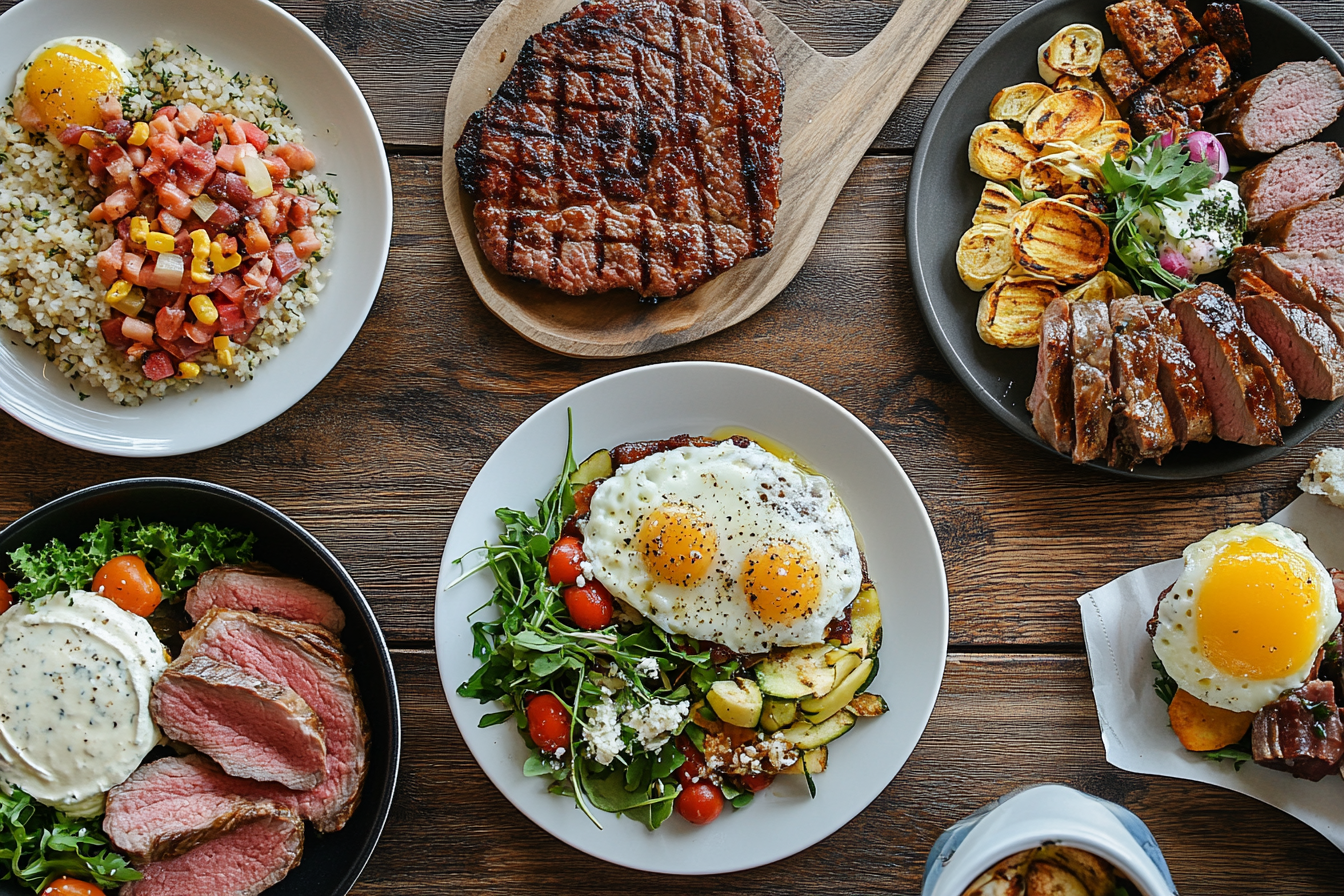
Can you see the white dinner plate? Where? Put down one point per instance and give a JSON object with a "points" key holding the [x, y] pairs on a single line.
{"points": [[903, 561], [257, 37]]}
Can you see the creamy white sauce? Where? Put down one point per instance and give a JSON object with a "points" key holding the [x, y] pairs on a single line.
{"points": [[74, 698], [1205, 227]]}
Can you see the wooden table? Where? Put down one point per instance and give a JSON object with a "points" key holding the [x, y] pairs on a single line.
{"points": [[375, 461]]}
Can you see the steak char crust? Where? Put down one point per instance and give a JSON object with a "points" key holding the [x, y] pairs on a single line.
{"points": [[635, 145]]}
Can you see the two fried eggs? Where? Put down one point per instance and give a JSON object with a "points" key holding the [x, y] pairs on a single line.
{"points": [[727, 544]]}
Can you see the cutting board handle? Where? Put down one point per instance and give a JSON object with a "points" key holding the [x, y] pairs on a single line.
{"points": [[908, 40]]}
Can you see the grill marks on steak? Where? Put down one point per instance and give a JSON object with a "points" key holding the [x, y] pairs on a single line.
{"points": [[242, 862], [634, 145], [1291, 104], [1300, 733], [252, 727], [1143, 428], [1051, 401], [1293, 178], [1177, 378], [262, 589]]}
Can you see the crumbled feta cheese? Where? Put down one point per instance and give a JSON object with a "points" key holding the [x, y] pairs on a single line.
{"points": [[648, 667], [586, 568], [655, 722], [602, 731], [780, 753], [580, 582], [1325, 476], [559, 752]]}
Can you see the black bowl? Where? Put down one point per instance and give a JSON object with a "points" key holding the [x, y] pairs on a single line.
{"points": [[944, 192], [331, 862]]}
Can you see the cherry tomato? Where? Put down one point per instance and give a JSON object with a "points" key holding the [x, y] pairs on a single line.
{"points": [[548, 722], [6, 598], [690, 771], [68, 886], [583, 498], [755, 783], [564, 563], [127, 583], [700, 803], [590, 606]]}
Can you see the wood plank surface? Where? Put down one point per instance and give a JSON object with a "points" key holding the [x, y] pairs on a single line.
{"points": [[1002, 722]]}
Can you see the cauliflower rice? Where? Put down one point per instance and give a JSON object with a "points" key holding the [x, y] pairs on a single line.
{"points": [[50, 292]]}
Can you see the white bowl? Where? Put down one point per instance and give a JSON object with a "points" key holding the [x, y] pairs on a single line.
{"points": [[242, 35], [903, 561]]}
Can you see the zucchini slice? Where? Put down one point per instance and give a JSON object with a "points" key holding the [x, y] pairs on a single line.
{"points": [[819, 709], [802, 672], [866, 621], [806, 736], [596, 466], [777, 714], [815, 760], [867, 706]]}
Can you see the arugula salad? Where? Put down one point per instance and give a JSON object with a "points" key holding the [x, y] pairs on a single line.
{"points": [[626, 718]]}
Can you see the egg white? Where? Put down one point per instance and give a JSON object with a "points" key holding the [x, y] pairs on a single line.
{"points": [[1177, 641], [727, 485]]}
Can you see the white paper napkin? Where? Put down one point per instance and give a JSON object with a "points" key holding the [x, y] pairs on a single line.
{"points": [[1134, 725]]}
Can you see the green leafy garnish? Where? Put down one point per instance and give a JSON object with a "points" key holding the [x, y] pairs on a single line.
{"points": [[175, 557], [1237, 753], [1164, 684], [39, 844], [1150, 174]]}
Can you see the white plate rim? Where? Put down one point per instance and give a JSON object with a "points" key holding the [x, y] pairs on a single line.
{"points": [[53, 422], [633, 847]]}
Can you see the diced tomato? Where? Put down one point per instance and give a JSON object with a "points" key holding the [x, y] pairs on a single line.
{"points": [[112, 334], [230, 317], [273, 287], [119, 129], [231, 287], [225, 216], [305, 242], [296, 156], [182, 349], [200, 333], [159, 366], [277, 166], [216, 189], [167, 146], [168, 322], [131, 265], [256, 136], [252, 308], [229, 157], [137, 330], [201, 289], [114, 207], [149, 205], [136, 350], [194, 168], [204, 134], [270, 218], [188, 116], [110, 261], [234, 130], [166, 112], [170, 222], [255, 239], [246, 334], [236, 191], [172, 198], [155, 170], [138, 155], [119, 166], [182, 245], [146, 278], [301, 211], [29, 117], [70, 136], [287, 263]]}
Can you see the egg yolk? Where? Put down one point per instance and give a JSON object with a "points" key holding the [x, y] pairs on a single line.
{"points": [[678, 544], [64, 83], [782, 582], [1259, 610]]}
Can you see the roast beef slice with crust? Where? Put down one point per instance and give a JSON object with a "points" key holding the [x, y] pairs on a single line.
{"points": [[1295, 177], [1316, 227], [1177, 378], [1141, 423], [1051, 401], [1149, 33], [309, 660], [1287, 402], [1291, 104], [1287, 274], [244, 861], [252, 727], [1092, 393], [1304, 344], [264, 590]]}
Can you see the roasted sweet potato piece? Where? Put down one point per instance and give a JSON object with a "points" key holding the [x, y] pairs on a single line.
{"points": [[1201, 727]]}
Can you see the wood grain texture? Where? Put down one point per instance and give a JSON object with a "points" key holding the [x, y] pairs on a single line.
{"points": [[1001, 723]]}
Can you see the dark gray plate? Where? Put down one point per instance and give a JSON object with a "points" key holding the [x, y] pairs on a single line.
{"points": [[944, 193], [331, 862]]}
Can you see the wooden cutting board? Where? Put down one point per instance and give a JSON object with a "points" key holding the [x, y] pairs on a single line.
{"points": [[833, 110]]}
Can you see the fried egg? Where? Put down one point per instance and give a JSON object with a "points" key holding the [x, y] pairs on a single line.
{"points": [[726, 544], [1246, 617], [63, 79]]}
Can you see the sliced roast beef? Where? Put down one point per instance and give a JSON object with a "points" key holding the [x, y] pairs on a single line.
{"points": [[1225, 26], [1287, 402], [1092, 395], [1291, 179], [1300, 733], [173, 805], [264, 590], [1141, 423], [1313, 228], [1293, 103], [1305, 344], [1120, 76], [1051, 401], [1182, 389], [243, 862], [1285, 272], [252, 727], [1324, 270], [309, 660], [1201, 76], [1149, 33], [1237, 390]]}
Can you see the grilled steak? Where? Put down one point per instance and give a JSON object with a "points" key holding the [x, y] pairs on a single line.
{"points": [[1092, 395], [1182, 390], [634, 145], [1237, 390], [1152, 113], [309, 660], [1313, 228], [1291, 179], [1120, 76], [1200, 77], [171, 806], [1305, 345], [243, 862], [1293, 103], [252, 727], [1226, 26], [1141, 423], [1287, 403], [1051, 401], [1300, 733], [1285, 274], [1149, 33], [263, 590]]}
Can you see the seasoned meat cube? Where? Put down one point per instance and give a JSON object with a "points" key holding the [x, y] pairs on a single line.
{"points": [[1201, 76], [1300, 733], [1122, 79], [1149, 33], [1224, 23], [1152, 114], [1191, 31]]}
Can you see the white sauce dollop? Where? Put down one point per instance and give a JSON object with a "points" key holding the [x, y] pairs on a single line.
{"points": [[74, 698]]}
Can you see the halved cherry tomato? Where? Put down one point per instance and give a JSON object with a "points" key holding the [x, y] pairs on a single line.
{"points": [[755, 783], [6, 597], [127, 583], [693, 769], [68, 886], [700, 803], [548, 722], [564, 565], [590, 606], [583, 498]]}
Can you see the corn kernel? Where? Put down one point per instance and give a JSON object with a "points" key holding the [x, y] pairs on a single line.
{"points": [[204, 309], [160, 242], [224, 351], [188, 370], [131, 305], [139, 229], [88, 141], [139, 134], [120, 290], [224, 265], [200, 271], [200, 244]]}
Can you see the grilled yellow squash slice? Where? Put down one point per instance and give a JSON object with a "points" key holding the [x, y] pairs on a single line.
{"points": [[1069, 82], [999, 153], [1074, 50], [1010, 312], [1066, 115], [997, 206], [1015, 103], [1113, 138], [1059, 241], [1062, 168], [984, 255]]}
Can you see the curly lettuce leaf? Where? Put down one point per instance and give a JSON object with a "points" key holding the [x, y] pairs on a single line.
{"points": [[39, 844]]}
